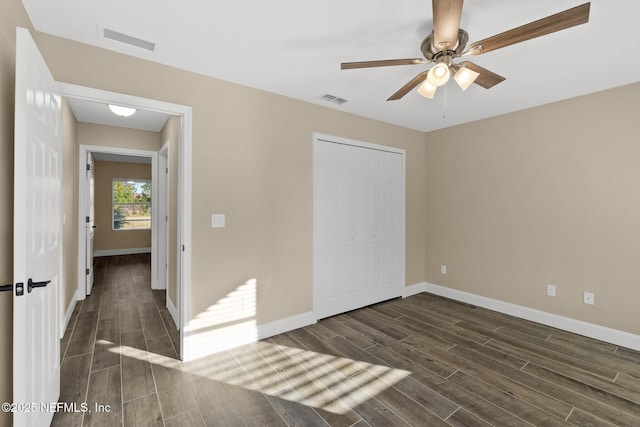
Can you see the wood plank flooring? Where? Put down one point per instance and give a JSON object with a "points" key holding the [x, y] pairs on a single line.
{"points": [[421, 361]]}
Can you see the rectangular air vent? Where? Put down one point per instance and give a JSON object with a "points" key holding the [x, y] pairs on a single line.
{"points": [[130, 40], [332, 98]]}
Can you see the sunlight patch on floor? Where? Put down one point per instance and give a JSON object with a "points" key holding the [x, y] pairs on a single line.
{"points": [[335, 384], [226, 334]]}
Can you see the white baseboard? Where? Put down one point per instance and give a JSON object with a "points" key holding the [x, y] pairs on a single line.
{"points": [[287, 324], [602, 333], [200, 344], [67, 315], [126, 251], [173, 311], [414, 289]]}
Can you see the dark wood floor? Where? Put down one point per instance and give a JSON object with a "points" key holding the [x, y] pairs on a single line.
{"points": [[421, 361]]}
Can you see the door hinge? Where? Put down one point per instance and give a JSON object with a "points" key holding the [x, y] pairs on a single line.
{"points": [[88, 167], [87, 271], [87, 219], [167, 170]]}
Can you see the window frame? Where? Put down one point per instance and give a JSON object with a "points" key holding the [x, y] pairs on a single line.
{"points": [[113, 203]]}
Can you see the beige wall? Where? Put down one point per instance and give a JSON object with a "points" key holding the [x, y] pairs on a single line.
{"points": [[105, 238], [12, 15], [111, 136], [543, 196], [169, 135], [70, 207], [251, 161]]}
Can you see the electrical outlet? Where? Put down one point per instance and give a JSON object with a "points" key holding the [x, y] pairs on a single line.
{"points": [[589, 298], [443, 269], [551, 290]]}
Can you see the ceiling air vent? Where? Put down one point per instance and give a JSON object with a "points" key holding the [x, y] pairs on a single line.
{"points": [[332, 98], [130, 40]]}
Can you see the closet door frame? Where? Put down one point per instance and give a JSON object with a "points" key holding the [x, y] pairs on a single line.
{"points": [[319, 138]]}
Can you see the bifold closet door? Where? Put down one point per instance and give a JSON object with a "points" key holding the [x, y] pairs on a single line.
{"points": [[358, 227]]}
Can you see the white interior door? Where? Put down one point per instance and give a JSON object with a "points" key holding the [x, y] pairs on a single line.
{"points": [[358, 226], [37, 235], [163, 217], [90, 224]]}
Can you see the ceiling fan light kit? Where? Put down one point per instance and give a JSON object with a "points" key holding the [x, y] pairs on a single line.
{"points": [[465, 77], [439, 74], [447, 41], [427, 90]]}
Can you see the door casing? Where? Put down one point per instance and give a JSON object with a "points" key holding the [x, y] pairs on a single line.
{"points": [[184, 191]]}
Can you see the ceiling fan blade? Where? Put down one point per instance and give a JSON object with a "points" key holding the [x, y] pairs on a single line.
{"points": [[446, 23], [560, 21], [487, 79], [407, 88], [383, 63]]}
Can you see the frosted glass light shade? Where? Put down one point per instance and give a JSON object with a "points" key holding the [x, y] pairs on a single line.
{"points": [[121, 111], [465, 77], [439, 75], [427, 90]]}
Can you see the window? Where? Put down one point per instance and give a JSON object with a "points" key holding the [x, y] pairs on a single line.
{"points": [[131, 204]]}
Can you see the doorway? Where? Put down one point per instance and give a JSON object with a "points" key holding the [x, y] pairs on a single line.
{"points": [[183, 213]]}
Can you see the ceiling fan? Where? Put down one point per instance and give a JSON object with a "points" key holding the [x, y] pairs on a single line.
{"points": [[448, 41]]}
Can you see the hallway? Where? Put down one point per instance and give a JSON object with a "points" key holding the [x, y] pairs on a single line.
{"points": [[108, 347]]}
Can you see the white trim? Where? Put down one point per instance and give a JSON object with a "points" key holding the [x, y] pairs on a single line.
{"points": [[125, 251], [411, 290], [320, 137], [173, 311], [247, 334], [287, 324], [184, 181], [184, 226], [347, 141], [93, 94], [602, 333], [68, 314]]}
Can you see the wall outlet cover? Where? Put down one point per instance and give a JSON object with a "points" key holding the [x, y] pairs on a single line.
{"points": [[551, 290], [589, 298]]}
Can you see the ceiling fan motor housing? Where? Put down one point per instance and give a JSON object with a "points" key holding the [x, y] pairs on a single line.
{"points": [[431, 52]]}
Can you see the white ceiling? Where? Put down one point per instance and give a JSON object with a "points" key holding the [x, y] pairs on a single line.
{"points": [[98, 112], [294, 48]]}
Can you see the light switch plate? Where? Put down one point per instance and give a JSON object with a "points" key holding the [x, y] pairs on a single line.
{"points": [[218, 220]]}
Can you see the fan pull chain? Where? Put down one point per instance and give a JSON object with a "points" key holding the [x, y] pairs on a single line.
{"points": [[444, 103]]}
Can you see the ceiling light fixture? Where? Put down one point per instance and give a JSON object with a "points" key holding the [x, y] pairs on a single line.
{"points": [[465, 77], [439, 74], [427, 90], [121, 111]]}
